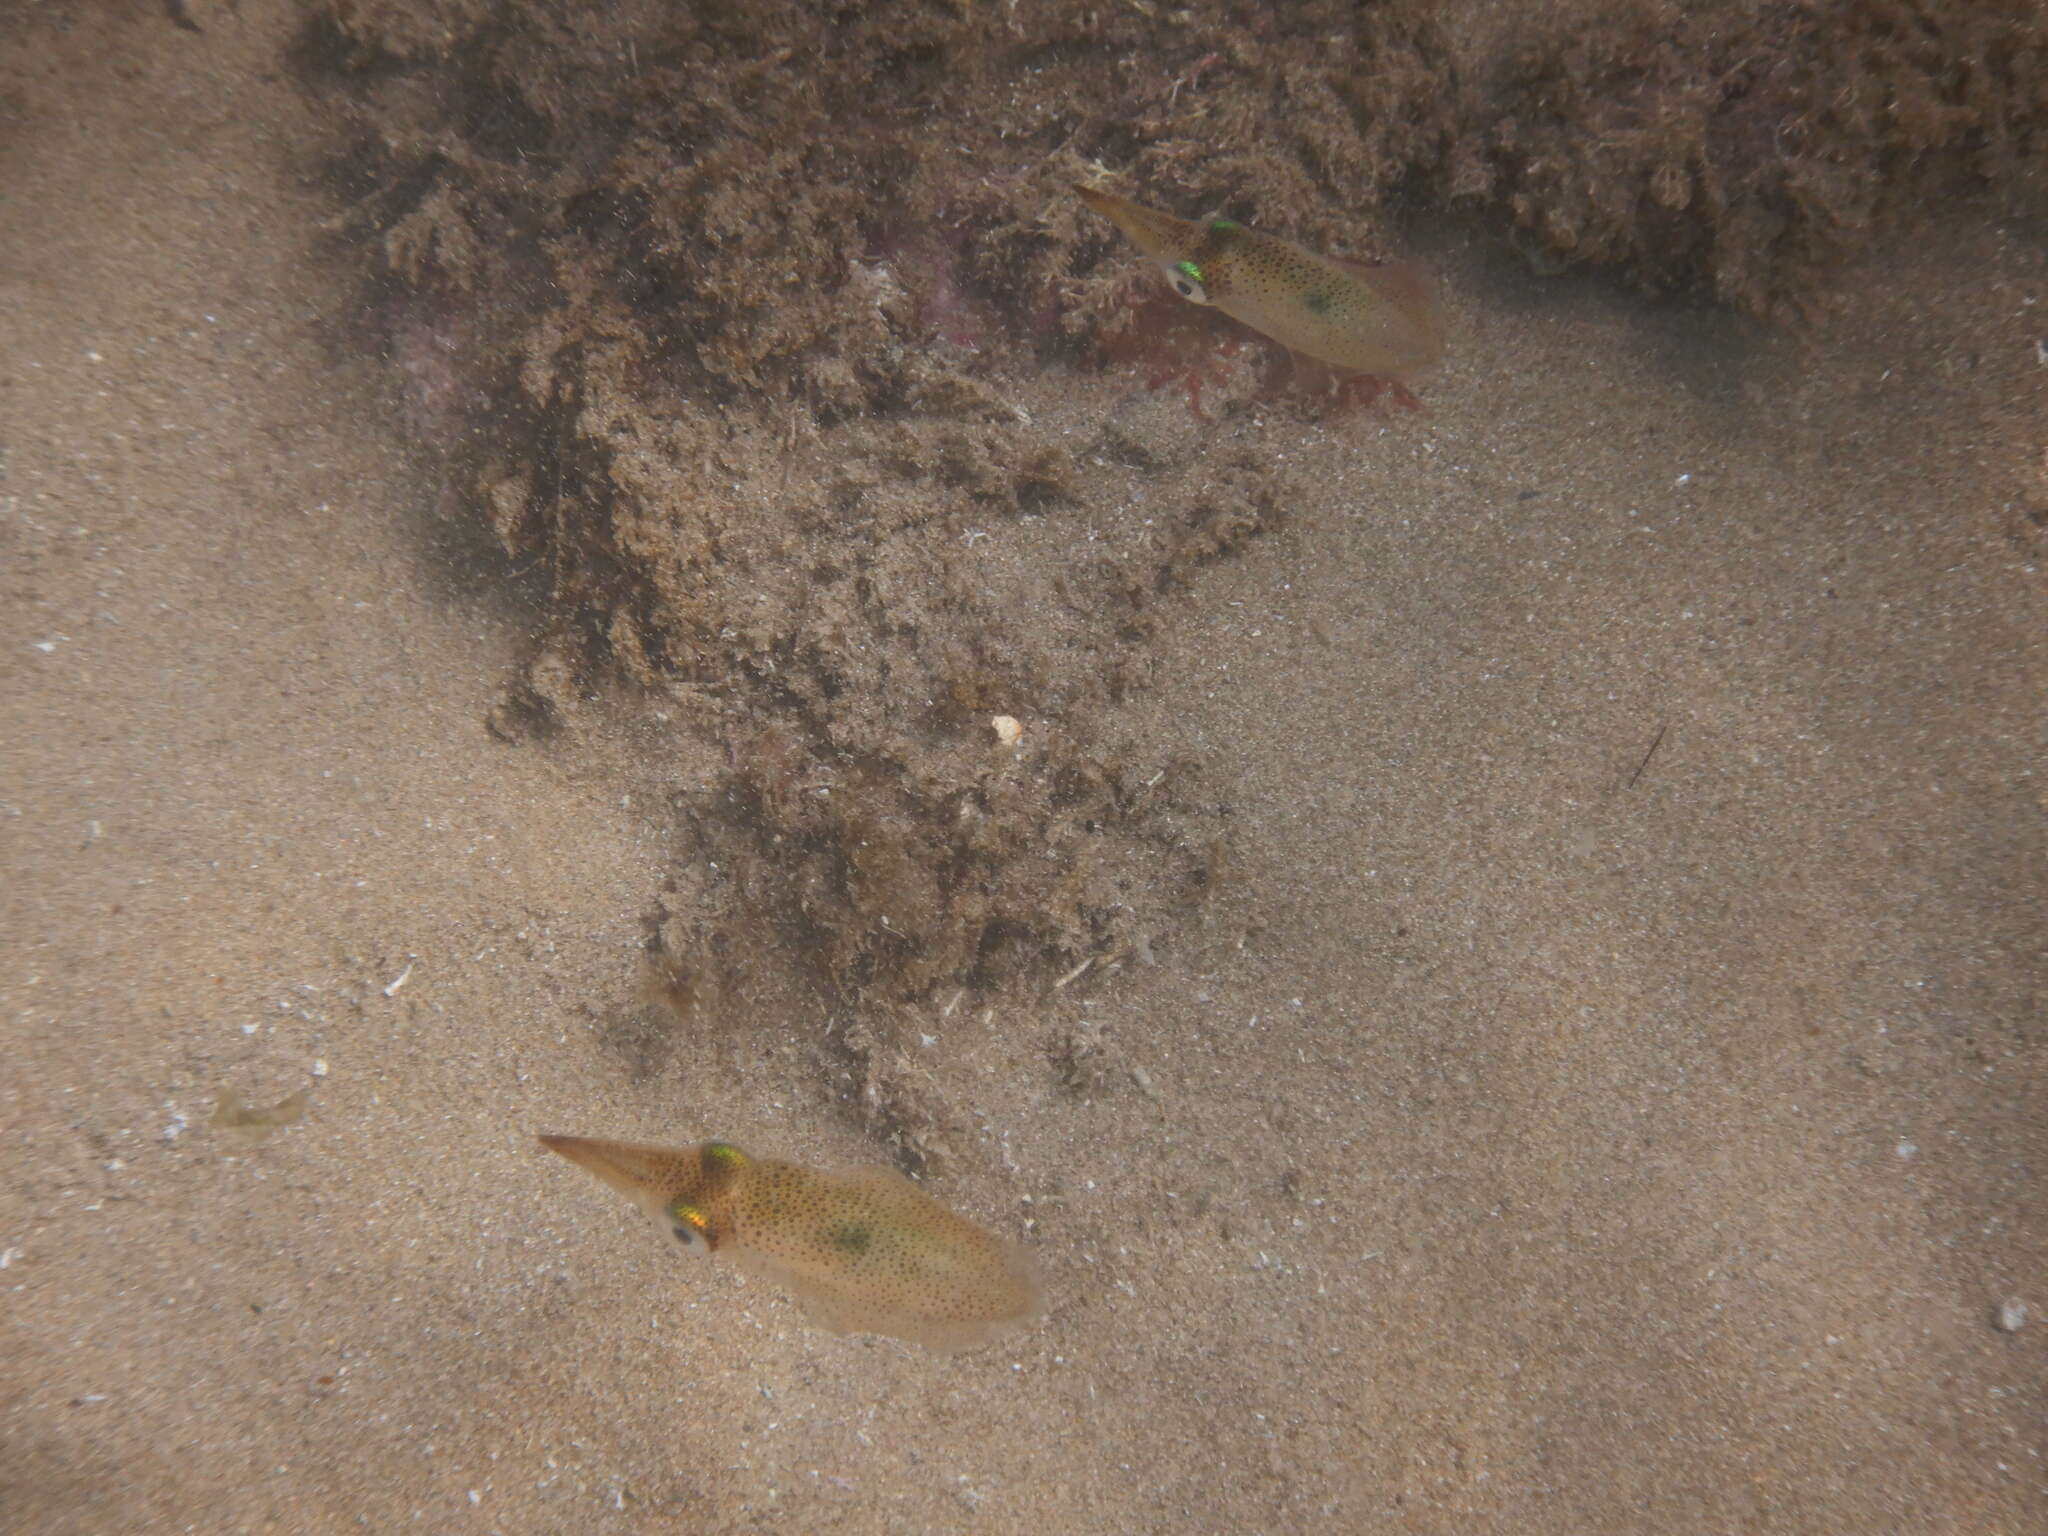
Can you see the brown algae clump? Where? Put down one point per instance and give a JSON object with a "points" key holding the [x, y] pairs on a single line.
{"points": [[734, 327]]}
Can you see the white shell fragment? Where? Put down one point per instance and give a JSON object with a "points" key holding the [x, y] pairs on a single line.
{"points": [[1009, 730]]}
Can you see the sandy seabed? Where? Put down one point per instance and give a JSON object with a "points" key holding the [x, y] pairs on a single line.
{"points": [[1606, 1095]]}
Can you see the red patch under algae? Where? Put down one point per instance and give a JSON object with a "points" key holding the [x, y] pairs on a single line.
{"points": [[1177, 342]]}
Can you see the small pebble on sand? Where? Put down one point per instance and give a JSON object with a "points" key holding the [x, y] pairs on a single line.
{"points": [[2012, 1315]]}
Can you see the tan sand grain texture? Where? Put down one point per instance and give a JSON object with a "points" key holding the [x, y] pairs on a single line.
{"points": [[1535, 1133]]}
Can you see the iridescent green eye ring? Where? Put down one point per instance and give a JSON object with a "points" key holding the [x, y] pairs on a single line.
{"points": [[1191, 270]]}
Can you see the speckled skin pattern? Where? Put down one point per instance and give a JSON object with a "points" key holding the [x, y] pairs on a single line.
{"points": [[864, 1251], [1381, 321]]}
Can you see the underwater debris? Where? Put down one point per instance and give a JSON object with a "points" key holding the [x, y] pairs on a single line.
{"points": [[248, 1124]]}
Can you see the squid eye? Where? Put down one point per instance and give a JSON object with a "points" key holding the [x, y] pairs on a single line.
{"points": [[689, 1226], [1186, 278]]}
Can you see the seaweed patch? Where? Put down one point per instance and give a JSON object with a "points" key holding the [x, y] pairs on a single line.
{"points": [[723, 320]]}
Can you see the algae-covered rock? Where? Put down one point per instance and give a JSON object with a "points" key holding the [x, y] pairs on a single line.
{"points": [[745, 325]]}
